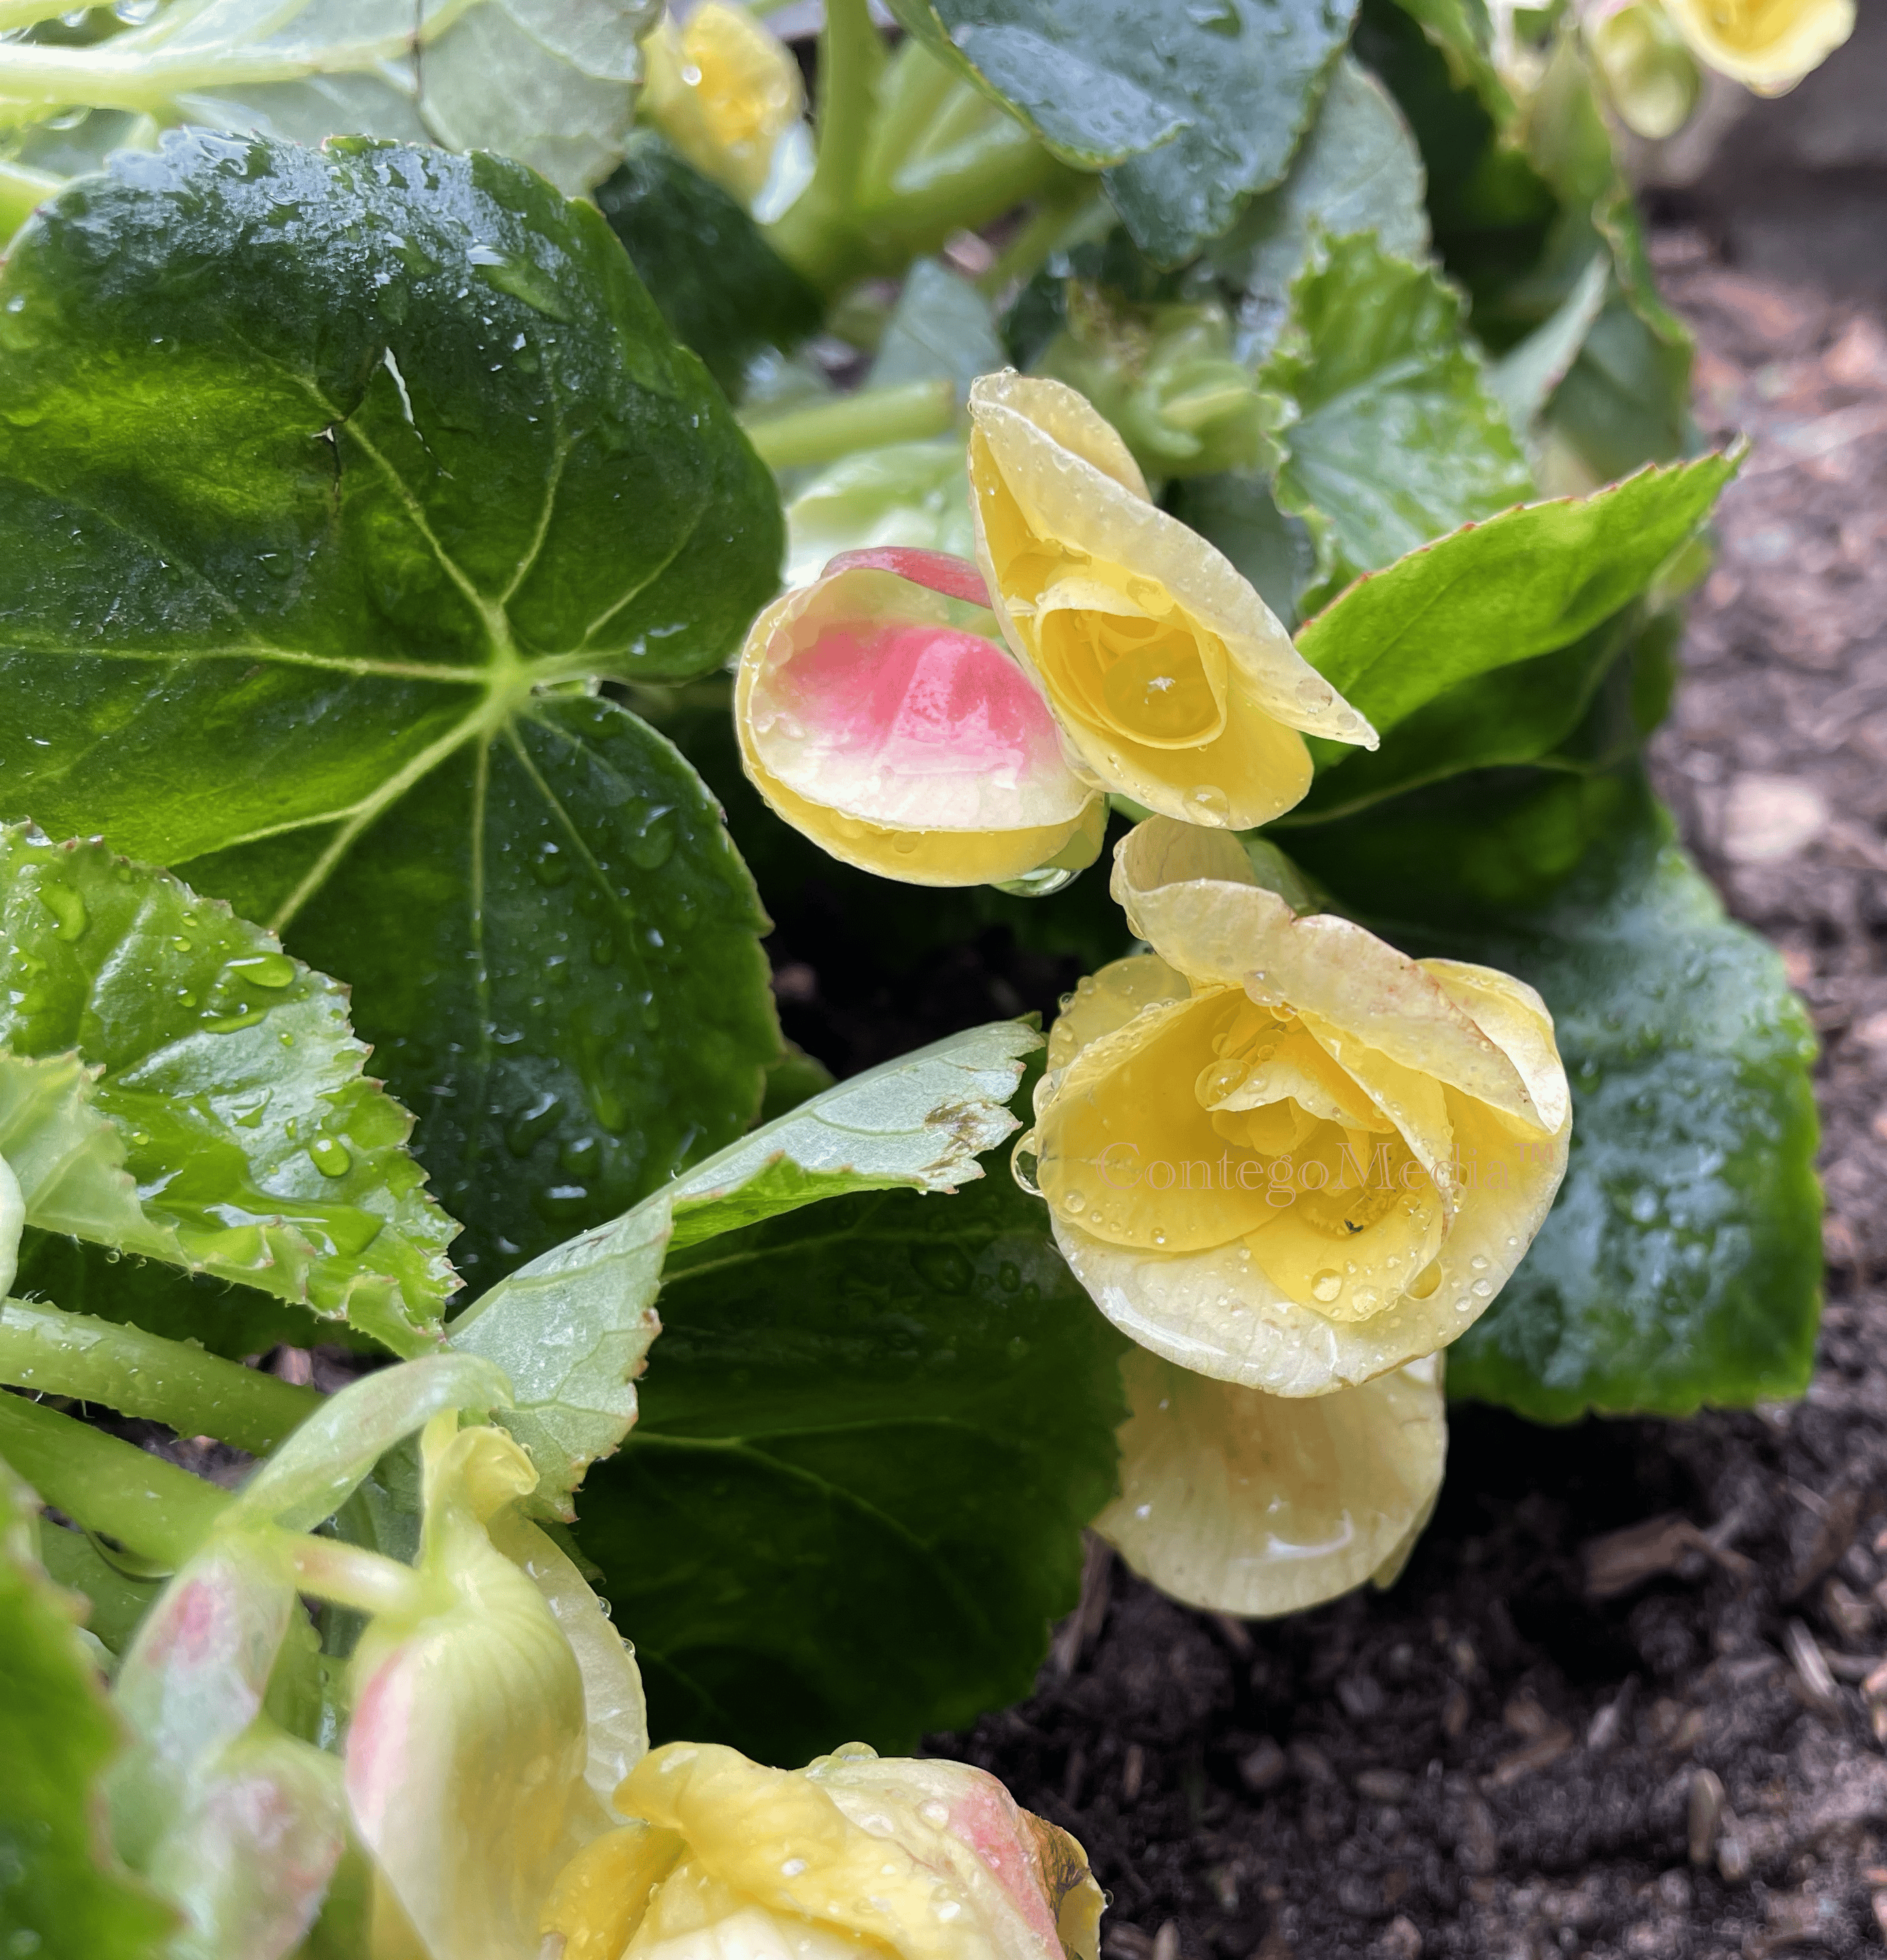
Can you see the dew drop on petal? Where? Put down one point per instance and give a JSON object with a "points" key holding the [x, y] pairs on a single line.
{"points": [[1326, 1285], [792, 1868]]}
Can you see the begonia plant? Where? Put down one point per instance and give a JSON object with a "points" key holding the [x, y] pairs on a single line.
{"points": [[546, 538]]}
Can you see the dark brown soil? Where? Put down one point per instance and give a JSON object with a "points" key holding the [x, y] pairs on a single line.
{"points": [[1545, 1740]]}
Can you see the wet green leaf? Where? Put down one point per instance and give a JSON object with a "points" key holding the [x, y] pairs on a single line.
{"points": [[1188, 109], [1681, 1265], [572, 1327], [871, 1433], [61, 1891], [320, 640], [1398, 439], [173, 1085]]}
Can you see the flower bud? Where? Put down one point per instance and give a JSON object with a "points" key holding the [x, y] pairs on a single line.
{"points": [[1277, 1152], [879, 712], [1650, 76], [926, 1860], [723, 91], [1766, 45], [1165, 377], [1173, 680]]}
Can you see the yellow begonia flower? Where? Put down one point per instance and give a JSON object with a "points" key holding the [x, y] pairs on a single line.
{"points": [[1240, 1502], [491, 1718], [723, 90], [1275, 1150], [879, 712], [851, 1858], [1174, 681], [1766, 45]]}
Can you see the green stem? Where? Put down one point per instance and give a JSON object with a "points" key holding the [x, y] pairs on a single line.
{"points": [[22, 191], [973, 183], [142, 1374], [149, 1506], [867, 420], [1030, 250], [815, 236], [349, 1575]]}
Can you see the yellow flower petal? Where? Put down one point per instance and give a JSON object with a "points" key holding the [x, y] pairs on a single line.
{"points": [[1243, 1503], [876, 714], [850, 1859], [1275, 1151], [1174, 680], [1766, 45]]}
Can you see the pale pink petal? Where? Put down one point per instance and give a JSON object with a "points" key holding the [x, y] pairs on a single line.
{"points": [[955, 577]]}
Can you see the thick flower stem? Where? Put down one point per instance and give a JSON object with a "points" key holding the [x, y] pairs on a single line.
{"points": [[22, 191], [149, 1506], [196, 1394], [347, 1575], [867, 420], [816, 235]]}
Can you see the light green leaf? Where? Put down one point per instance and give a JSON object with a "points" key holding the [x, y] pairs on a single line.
{"points": [[61, 1891], [1398, 439], [1681, 1264], [339, 479], [1520, 585], [572, 1328], [941, 326], [911, 493], [1524, 377], [1193, 107], [173, 1085], [870, 1435], [1358, 169], [550, 82]]}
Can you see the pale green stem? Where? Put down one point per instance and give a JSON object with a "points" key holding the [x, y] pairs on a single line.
{"points": [[149, 1506], [1030, 250], [815, 236], [915, 86], [56, 1353], [349, 1575], [977, 182], [867, 420], [22, 191]]}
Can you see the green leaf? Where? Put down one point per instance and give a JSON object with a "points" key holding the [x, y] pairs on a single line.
{"points": [[907, 493], [571, 1328], [1681, 1264], [723, 289], [941, 326], [61, 1891], [1462, 31], [870, 1435], [173, 1085], [1358, 169], [1192, 108], [439, 456], [1398, 439], [550, 82], [1526, 376], [1492, 594]]}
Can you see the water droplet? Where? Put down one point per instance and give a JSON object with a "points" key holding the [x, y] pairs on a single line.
{"points": [[946, 1909], [1423, 1285], [331, 1156], [1464, 1305], [652, 843], [1160, 1237], [537, 1117], [934, 1812], [1326, 1285], [67, 909], [943, 1268], [792, 1868], [1478, 1264], [1482, 1289], [1009, 1276], [905, 843], [272, 970], [550, 867], [1367, 1300], [1313, 693], [1074, 1203], [1208, 803]]}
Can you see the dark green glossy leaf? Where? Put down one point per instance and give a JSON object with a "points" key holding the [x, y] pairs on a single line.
{"points": [[173, 1085], [1358, 170], [723, 289], [871, 1433], [61, 1891], [318, 465], [1193, 107], [1681, 1264], [1444, 650], [1398, 438]]}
